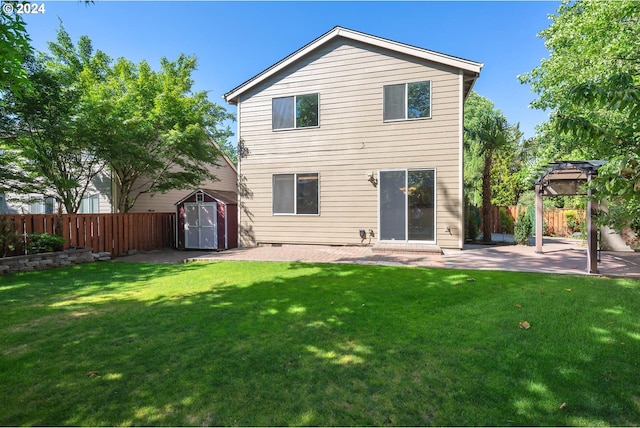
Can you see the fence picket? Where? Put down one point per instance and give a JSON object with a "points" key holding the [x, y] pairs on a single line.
{"points": [[115, 233], [555, 220]]}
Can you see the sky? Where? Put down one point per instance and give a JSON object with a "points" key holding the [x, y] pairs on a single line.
{"points": [[236, 40]]}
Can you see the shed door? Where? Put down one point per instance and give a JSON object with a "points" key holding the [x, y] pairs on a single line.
{"points": [[200, 225]]}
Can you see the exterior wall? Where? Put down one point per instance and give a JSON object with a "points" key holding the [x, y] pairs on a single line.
{"points": [[165, 202], [100, 185], [351, 141]]}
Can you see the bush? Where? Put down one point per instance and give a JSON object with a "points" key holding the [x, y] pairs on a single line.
{"points": [[473, 222], [10, 239], [574, 222], [522, 229], [44, 243], [506, 221]]}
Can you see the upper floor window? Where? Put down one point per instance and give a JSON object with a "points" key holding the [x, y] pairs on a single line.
{"points": [[407, 101], [295, 193], [298, 111]]}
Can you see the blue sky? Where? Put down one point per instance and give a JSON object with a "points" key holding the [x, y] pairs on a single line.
{"points": [[236, 40]]}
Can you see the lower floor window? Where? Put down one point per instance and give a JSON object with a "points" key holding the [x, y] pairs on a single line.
{"points": [[90, 205], [296, 193], [42, 206]]}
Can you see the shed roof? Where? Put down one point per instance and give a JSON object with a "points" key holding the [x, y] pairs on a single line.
{"points": [[223, 196], [471, 69]]}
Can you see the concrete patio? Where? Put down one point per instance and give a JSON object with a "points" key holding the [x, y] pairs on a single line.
{"points": [[560, 255]]}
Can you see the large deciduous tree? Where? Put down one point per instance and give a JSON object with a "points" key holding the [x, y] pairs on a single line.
{"points": [[14, 50], [157, 133], [84, 116], [591, 83], [41, 128]]}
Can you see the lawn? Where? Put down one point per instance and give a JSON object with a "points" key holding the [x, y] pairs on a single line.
{"points": [[246, 343]]}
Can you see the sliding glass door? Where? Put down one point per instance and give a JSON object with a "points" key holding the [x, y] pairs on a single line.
{"points": [[407, 205]]}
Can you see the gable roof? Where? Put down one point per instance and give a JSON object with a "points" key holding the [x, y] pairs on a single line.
{"points": [[471, 69], [224, 196]]}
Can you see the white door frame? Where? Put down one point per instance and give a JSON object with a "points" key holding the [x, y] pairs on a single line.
{"points": [[204, 226], [406, 223]]}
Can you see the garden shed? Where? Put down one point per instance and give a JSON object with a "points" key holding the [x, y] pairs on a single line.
{"points": [[207, 220]]}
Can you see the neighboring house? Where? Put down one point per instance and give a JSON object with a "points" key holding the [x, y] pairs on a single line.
{"points": [[353, 133], [98, 198], [227, 181]]}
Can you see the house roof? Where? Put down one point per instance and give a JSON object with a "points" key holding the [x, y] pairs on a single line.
{"points": [[471, 69], [223, 196]]}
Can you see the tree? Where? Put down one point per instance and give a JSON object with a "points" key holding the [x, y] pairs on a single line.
{"points": [[14, 50], [43, 127], [591, 83], [492, 149], [155, 133]]}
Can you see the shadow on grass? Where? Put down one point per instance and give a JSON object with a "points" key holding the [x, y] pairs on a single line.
{"points": [[306, 344]]}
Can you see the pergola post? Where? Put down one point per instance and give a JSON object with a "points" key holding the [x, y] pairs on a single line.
{"points": [[592, 231], [539, 218]]}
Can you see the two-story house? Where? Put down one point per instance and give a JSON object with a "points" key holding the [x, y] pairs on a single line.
{"points": [[353, 133]]}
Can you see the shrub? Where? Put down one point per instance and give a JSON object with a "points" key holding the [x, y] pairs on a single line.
{"points": [[10, 239], [473, 222], [574, 222], [506, 221], [44, 243], [522, 229]]}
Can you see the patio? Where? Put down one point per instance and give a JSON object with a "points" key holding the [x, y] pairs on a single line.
{"points": [[560, 255]]}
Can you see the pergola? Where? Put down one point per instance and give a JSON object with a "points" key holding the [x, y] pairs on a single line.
{"points": [[568, 178]]}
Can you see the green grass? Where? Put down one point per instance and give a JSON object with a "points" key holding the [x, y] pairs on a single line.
{"points": [[245, 343]]}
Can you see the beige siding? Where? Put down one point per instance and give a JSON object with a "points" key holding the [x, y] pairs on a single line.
{"points": [[351, 140], [165, 202]]}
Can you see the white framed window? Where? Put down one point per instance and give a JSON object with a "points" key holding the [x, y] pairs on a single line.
{"points": [[296, 194], [406, 101], [90, 205], [297, 111], [42, 206]]}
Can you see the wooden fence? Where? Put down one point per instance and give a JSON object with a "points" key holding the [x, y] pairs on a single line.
{"points": [[115, 233], [555, 220]]}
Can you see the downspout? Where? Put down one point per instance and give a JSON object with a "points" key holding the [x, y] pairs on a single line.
{"points": [[461, 228], [239, 177], [226, 226]]}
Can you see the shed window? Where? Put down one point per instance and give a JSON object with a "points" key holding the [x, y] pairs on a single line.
{"points": [[407, 101], [295, 193], [298, 111]]}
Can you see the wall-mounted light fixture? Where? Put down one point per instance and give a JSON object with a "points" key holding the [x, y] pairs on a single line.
{"points": [[371, 176]]}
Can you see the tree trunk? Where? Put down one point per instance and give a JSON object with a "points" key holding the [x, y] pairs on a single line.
{"points": [[486, 198]]}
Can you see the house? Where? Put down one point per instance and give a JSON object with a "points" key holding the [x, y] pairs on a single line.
{"points": [[353, 138], [98, 198]]}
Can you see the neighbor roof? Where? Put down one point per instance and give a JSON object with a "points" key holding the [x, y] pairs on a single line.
{"points": [[471, 68]]}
